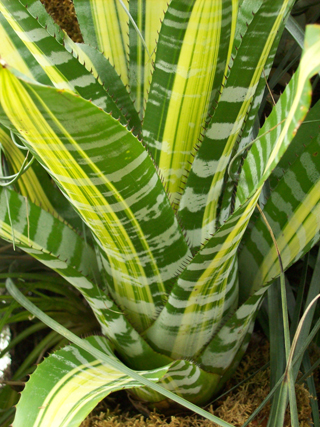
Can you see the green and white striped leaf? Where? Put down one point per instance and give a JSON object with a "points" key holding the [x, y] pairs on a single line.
{"points": [[111, 361], [190, 317], [192, 54], [226, 204], [236, 328], [228, 345], [308, 130], [76, 384], [57, 246], [104, 72], [61, 68], [116, 191], [205, 292], [36, 9], [293, 212], [284, 121], [104, 25], [186, 379], [200, 202]]}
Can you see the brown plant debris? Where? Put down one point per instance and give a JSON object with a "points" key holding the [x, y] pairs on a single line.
{"points": [[63, 13], [235, 407]]}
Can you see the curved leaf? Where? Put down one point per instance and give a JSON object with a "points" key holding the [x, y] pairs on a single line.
{"points": [[76, 384], [232, 338], [103, 71], [284, 121], [106, 174], [111, 361], [58, 247], [293, 212]]}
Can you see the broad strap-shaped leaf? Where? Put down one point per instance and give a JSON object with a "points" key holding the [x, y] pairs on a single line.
{"points": [[104, 72], [41, 234], [76, 383], [38, 11], [186, 379], [148, 16], [308, 130], [61, 67], [205, 292], [191, 56], [57, 246], [106, 174], [293, 212], [92, 59], [104, 25], [284, 121], [226, 204], [180, 322], [232, 338], [200, 202]]}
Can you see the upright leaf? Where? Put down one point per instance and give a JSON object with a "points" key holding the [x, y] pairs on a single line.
{"points": [[200, 202], [284, 121], [293, 212], [205, 292], [104, 25], [191, 57]]}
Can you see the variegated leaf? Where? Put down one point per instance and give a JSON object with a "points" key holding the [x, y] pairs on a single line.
{"points": [[116, 191], [103, 71], [293, 212], [104, 25], [227, 347], [61, 68], [205, 292], [76, 383], [284, 121], [148, 17], [192, 54], [57, 246], [15, 52], [37, 9], [36, 185], [226, 204], [200, 202]]}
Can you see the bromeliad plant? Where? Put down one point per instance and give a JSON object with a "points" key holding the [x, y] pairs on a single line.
{"points": [[147, 131]]}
